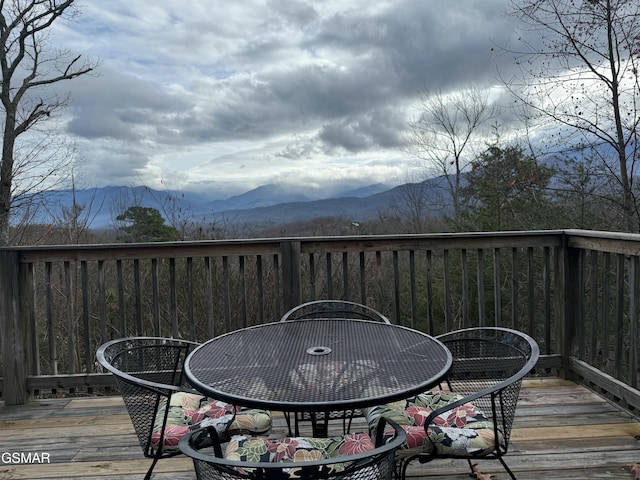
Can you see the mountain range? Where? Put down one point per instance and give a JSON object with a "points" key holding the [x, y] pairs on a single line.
{"points": [[266, 205]]}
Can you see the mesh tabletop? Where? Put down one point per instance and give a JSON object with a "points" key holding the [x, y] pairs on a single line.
{"points": [[315, 365]]}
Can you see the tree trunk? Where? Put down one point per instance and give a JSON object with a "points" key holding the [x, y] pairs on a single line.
{"points": [[6, 177]]}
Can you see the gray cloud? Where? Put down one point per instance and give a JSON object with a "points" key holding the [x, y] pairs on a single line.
{"points": [[288, 78]]}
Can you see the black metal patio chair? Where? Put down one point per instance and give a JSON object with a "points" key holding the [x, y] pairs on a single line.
{"points": [[334, 309], [471, 418], [162, 406], [347, 457], [329, 309]]}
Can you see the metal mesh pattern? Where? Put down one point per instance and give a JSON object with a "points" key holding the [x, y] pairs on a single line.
{"points": [[381, 468], [148, 371], [331, 309], [488, 367], [318, 364], [334, 309], [491, 363], [376, 464]]}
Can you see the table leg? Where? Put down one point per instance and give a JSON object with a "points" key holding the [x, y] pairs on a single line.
{"points": [[320, 424]]}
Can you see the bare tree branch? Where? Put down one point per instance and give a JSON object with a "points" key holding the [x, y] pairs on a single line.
{"points": [[29, 65], [445, 130], [579, 73]]}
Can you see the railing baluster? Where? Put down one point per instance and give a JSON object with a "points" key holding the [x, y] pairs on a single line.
{"points": [[329, 276], [429, 286], [620, 287], [173, 299], [634, 304], [277, 298], [448, 301], [531, 312], [243, 292], [380, 281], [363, 280], [580, 327], [155, 297], [606, 299], [226, 288], [86, 326], [346, 287], [593, 308], [190, 311], [30, 296], [482, 319], [211, 326], [396, 286], [497, 288], [138, 296], [546, 348], [51, 320], [312, 277], [122, 309], [466, 321], [71, 321], [260, 279], [412, 287], [102, 302], [514, 288]]}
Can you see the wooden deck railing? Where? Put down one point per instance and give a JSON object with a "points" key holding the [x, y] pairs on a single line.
{"points": [[576, 292]]}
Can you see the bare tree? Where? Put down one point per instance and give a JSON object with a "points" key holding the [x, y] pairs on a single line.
{"points": [[579, 71], [30, 65], [447, 131], [417, 203]]}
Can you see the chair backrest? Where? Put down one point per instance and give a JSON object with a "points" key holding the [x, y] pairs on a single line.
{"points": [[376, 464], [334, 309], [489, 364], [147, 371]]}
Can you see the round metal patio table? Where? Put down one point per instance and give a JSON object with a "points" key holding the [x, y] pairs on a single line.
{"points": [[317, 365]]}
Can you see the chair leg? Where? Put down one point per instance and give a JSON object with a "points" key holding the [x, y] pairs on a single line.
{"points": [[513, 477], [287, 417], [472, 474], [401, 469], [150, 471]]}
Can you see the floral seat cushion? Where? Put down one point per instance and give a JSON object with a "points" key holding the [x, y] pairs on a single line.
{"points": [[462, 431], [296, 449], [190, 410]]}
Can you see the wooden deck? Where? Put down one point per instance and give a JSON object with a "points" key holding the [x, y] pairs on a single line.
{"points": [[563, 431]]}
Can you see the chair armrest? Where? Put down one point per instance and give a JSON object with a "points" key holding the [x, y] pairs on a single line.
{"points": [[464, 400], [322, 468]]}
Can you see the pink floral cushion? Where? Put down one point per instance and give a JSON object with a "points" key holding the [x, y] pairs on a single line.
{"points": [[188, 410], [296, 449], [462, 431]]}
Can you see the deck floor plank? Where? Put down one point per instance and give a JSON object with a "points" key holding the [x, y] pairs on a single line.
{"points": [[562, 431]]}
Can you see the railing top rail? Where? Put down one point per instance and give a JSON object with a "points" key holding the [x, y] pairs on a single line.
{"points": [[613, 242], [509, 239], [264, 246], [124, 251]]}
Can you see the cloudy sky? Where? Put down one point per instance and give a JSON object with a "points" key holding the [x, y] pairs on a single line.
{"points": [[224, 96]]}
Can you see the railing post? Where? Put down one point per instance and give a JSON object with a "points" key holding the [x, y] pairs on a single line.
{"points": [[569, 295], [14, 327], [634, 290], [291, 289]]}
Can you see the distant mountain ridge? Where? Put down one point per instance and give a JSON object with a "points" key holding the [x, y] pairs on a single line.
{"points": [[354, 208], [105, 203], [275, 194], [266, 205]]}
